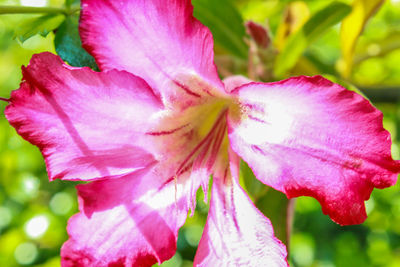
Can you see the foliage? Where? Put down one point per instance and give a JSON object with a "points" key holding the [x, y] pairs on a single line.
{"points": [[225, 22], [42, 25], [312, 29], [69, 46], [356, 42]]}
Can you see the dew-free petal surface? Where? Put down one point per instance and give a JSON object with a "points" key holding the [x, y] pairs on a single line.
{"points": [[158, 40], [307, 136], [236, 232], [235, 81], [129, 221], [87, 124]]}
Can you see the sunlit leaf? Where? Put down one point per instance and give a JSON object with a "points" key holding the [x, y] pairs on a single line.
{"points": [[378, 49], [69, 46], [225, 23], [296, 14], [272, 203], [321, 66], [312, 29], [70, 3], [352, 27], [42, 25], [316, 240], [305, 66]]}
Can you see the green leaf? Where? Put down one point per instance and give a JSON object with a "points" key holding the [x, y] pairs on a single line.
{"points": [[352, 28], [42, 25], [294, 16], [70, 3], [225, 23], [69, 46], [381, 48], [274, 204], [311, 30]]}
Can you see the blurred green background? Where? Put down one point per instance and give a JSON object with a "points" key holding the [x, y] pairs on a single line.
{"points": [[303, 37]]}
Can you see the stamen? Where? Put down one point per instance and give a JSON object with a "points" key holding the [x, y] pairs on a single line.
{"points": [[201, 144], [216, 146], [196, 158]]}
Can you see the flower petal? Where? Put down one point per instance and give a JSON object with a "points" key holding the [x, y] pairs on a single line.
{"points": [[235, 81], [236, 232], [86, 124], [159, 40], [130, 221], [307, 136], [192, 141]]}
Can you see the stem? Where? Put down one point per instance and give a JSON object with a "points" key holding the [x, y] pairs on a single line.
{"points": [[4, 99], [36, 10], [251, 67], [289, 221]]}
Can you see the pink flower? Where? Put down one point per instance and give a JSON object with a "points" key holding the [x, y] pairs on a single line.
{"points": [[152, 127]]}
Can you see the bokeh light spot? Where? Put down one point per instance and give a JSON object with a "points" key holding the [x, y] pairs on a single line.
{"points": [[370, 205], [302, 249], [61, 203], [36, 226], [26, 253], [35, 3], [30, 184], [373, 49]]}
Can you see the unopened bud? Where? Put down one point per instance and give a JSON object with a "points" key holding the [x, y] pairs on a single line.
{"points": [[258, 33]]}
